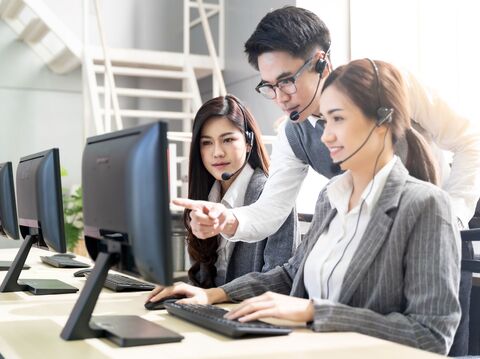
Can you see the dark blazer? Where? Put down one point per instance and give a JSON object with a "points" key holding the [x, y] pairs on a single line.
{"points": [[268, 253], [402, 282]]}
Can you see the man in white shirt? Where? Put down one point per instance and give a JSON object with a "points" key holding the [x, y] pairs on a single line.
{"points": [[290, 48]]}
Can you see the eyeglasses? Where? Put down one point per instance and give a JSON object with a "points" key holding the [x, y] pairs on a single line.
{"points": [[286, 85]]}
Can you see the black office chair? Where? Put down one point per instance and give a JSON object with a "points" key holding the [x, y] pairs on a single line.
{"points": [[466, 339], [304, 221]]}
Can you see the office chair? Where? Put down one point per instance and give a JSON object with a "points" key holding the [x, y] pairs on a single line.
{"points": [[467, 337], [304, 222]]}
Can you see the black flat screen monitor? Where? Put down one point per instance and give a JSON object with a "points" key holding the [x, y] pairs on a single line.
{"points": [[39, 199], [8, 208], [40, 215], [127, 225]]}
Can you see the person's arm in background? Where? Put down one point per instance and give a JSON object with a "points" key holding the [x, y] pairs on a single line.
{"points": [[454, 133], [264, 217]]}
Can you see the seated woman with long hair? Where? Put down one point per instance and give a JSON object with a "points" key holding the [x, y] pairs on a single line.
{"points": [[226, 141], [382, 254]]}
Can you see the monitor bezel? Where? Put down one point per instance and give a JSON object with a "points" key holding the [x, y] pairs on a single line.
{"points": [[49, 224], [8, 204]]}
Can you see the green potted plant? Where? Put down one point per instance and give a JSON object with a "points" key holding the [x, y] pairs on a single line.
{"points": [[73, 217]]}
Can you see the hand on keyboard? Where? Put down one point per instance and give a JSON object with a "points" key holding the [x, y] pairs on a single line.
{"points": [[273, 305], [193, 295]]}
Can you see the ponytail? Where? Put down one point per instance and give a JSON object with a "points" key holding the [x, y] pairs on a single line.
{"points": [[419, 160]]}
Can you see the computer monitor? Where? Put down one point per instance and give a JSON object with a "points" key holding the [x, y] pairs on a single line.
{"points": [[40, 215], [8, 208], [127, 225]]}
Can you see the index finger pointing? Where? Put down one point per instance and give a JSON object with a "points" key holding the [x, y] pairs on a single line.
{"points": [[190, 204]]}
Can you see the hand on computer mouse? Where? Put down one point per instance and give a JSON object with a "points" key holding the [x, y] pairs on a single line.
{"points": [[159, 304]]}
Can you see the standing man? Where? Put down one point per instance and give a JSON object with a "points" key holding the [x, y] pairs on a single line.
{"points": [[290, 48]]}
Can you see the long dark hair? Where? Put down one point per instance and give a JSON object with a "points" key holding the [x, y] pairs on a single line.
{"points": [[358, 81], [203, 252]]}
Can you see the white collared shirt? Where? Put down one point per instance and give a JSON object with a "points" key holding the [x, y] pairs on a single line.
{"points": [[334, 250], [234, 197], [448, 130]]}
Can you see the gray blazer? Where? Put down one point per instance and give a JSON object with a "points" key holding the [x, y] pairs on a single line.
{"points": [[268, 253], [402, 282]]}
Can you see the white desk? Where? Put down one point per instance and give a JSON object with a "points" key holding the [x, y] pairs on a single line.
{"points": [[30, 327]]}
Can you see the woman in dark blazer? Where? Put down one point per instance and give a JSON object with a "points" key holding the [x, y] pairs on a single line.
{"points": [[229, 164], [382, 254]]}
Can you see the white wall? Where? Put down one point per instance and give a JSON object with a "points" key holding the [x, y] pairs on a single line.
{"points": [[435, 39], [38, 110], [336, 15], [119, 18]]}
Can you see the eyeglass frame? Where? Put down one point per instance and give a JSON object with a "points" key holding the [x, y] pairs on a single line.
{"points": [[292, 79]]}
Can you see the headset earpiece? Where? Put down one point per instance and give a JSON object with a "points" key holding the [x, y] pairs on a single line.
{"points": [[320, 66], [322, 63], [249, 136], [384, 114]]}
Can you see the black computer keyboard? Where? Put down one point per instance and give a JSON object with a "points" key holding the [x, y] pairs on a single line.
{"points": [[211, 317], [63, 262], [121, 283]]}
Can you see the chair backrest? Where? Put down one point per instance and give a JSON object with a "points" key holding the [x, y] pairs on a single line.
{"points": [[304, 222], [469, 265]]}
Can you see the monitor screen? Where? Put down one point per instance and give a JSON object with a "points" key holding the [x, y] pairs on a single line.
{"points": [[126, 199], [126, 214], [40, 216], [8, 208], [39, 199]]}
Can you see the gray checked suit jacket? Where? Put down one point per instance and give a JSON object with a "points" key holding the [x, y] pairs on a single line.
{"points": [[268, 253], [402, 282]]}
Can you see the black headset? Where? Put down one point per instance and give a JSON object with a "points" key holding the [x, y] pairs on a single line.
{"points": [[319, 68], [249, 135], [384, 114], [321, 63]]}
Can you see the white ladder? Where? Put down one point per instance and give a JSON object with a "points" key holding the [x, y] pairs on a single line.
{"points": [[114, 63]]}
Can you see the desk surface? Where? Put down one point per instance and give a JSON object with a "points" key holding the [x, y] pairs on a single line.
{"points": [[30, 327]]}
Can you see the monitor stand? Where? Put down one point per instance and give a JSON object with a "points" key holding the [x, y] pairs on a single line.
{"points": [[36, 286], [124, 330], [5, 265]]}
